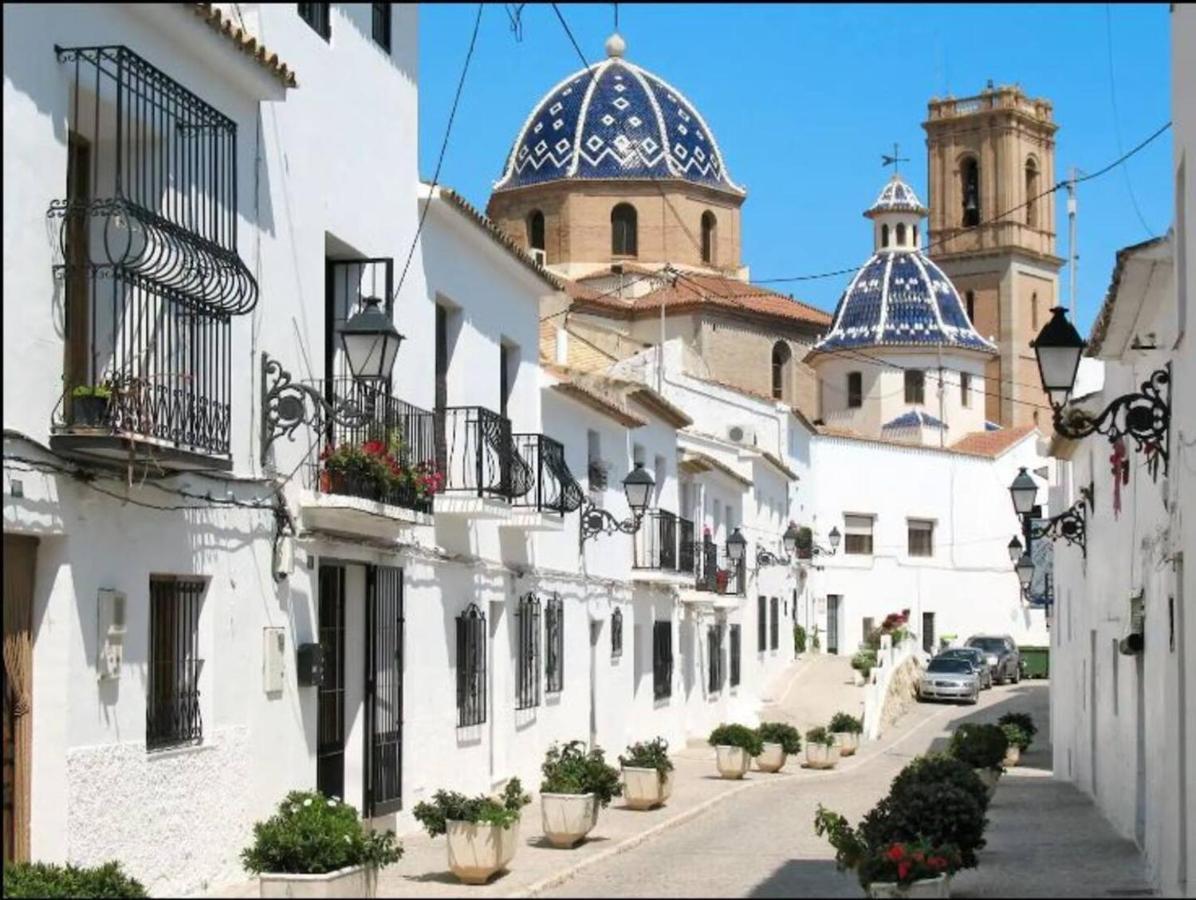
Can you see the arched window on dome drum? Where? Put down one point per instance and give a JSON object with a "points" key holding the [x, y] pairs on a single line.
{"points": [[884, 235], [623, 238], [915, 237], [1031, 193], [900, 234], [709, 233], [855, 390], [781, 358], [535, 229], [969, 181]]}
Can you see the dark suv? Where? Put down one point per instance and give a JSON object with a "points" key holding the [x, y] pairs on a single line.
{"points": [[1002, 654]]}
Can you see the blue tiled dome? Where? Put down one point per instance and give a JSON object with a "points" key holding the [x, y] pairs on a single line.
{"points": [[615, 120], [901, 298], [897, 196]]}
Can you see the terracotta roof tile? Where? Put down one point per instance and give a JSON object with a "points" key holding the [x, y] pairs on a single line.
{"points": [[991, 443], [223, 25]]}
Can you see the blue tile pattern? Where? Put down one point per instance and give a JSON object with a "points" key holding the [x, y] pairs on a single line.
{"points": [[913, 419], [901, 298], [897, 196], [622, 122]]}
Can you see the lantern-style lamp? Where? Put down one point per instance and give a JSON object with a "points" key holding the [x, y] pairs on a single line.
{"points": [[1058, 348], [1024, 492], [1015, 550], [1025, 570], [371, 342], [834, 538], [789, 539], [736, 546], [638, 487]]}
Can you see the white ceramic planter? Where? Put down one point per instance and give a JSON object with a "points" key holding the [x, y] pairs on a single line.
{"points": [[927, 887], [848, 742], [733, 762], [772, 759], [989, 777], [1013, 755], [568, 818], [820, 756], [354, 881], [857, 678], [645, 788], [477, 851]]}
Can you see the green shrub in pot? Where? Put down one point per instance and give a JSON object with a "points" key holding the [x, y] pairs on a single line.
{"points": [[942, 813], [893, 862], [980, 746], [780, 733], [1025, 723], [799, 639], [940, 768], [864, 662], [653, 754], [737, 736], [570, 769], [820, 735], [843, 723], [450, 806]]}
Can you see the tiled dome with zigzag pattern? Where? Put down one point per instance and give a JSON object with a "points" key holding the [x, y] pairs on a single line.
{"points": [[615, 120]]}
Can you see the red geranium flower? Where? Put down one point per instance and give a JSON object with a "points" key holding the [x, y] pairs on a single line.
{"points": [[896, 852], [374, 448], [902, 870], [937, 862]]}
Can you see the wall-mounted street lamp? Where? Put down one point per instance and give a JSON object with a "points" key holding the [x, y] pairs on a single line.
{"points": [[736, 547], [637, 487], [1070, 525], [1025, 572], [789, 540], [1015, 550], [371, 343], [1144, 416]]}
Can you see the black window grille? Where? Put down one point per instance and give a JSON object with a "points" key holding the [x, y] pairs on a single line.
{"points": [[383, 702], [554, 645], [318, 16], [774, 630], [616, 634], [527, 667], [471, 666], [761, 624], [855, 390], [172, 714], [735, 654], [714, 647], [662, 660], [382, 25]]}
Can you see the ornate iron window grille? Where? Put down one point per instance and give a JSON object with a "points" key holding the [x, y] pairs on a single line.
{"points": [[714, 647], [616, 634], [471, 667], [1145, 417], [761, 624], [736, 650], [554, 644], [172, 709], [662, 660], [527, 669], [774, 623]]}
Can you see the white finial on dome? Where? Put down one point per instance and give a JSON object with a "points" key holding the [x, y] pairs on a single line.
{"points": [[615, 45]]}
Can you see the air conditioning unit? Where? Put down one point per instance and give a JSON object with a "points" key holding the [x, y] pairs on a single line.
{"points": [[742, 434], [539, 256]]}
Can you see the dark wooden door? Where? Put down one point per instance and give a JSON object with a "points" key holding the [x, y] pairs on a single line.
{"points": [[383, 691], [20, 554], [330, 699]]}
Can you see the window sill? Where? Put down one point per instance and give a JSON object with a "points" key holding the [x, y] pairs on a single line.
{"points": [[171, 751]]}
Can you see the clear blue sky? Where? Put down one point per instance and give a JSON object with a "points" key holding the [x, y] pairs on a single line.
{"points": [[804, 99]]}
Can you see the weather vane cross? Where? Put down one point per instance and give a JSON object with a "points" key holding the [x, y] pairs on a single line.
{"points": [[893, 160]]}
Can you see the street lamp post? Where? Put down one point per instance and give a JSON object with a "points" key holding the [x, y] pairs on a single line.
{"points": [[637, 487]]}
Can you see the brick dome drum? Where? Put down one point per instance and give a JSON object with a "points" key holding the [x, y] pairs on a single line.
{"points": [[615, 120]]}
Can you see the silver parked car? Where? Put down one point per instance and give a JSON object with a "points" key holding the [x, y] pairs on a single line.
{"points": [[949, 678], [1002, 654], [979, 662]]}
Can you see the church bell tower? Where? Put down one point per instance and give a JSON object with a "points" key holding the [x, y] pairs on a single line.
{"points": [[989, 157]]}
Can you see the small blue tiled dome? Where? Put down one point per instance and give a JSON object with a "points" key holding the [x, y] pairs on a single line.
{"points": [[615, 120], [897, 196]]}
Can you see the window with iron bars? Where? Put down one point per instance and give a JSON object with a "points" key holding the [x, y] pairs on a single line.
{"points": [[471, 667], [527, 669], [774, 633], [662, 660], [382, 25], [616, 634], [318, 16], [714, 645], [735, 652], [554, 645], [761, 624], [172, 713]]}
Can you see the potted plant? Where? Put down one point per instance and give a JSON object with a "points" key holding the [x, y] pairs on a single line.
{"points": [[1023, 721], [89, 405], [821, 752], [316, 846], [735, 746], [647, 774], [799, 640], [805, 542], [916, 868], [862, 664], [846, 731], [576, 785], [482, 832], [983, 748], [780, 742], [1016, 737]]}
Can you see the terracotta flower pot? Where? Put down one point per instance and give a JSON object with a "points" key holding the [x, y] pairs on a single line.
{"points": [[645, 788], [477, 851], [772, 759], [733, 762], [568, 818]]}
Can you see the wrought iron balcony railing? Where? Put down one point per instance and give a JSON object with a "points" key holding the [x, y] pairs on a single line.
{"points": [[656, 541], [728, 579], [685, 545], [476, 454], [382, 448], [554, 489]]}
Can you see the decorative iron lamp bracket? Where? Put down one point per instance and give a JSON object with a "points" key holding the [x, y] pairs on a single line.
{"points": [[768, 558], [287, 404], [1070, 525], [1145, 417], [595, 521]]}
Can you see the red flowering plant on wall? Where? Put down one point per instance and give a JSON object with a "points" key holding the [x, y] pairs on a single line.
{"points": [[377, 469], [896, 625], [905, 862]]}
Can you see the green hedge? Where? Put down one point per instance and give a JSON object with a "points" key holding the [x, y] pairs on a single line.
{"points": [[49, 880]]}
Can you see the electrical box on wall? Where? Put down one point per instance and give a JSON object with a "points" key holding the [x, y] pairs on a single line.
{"points": [[311, 665], [273, 659], [110, 620]]}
